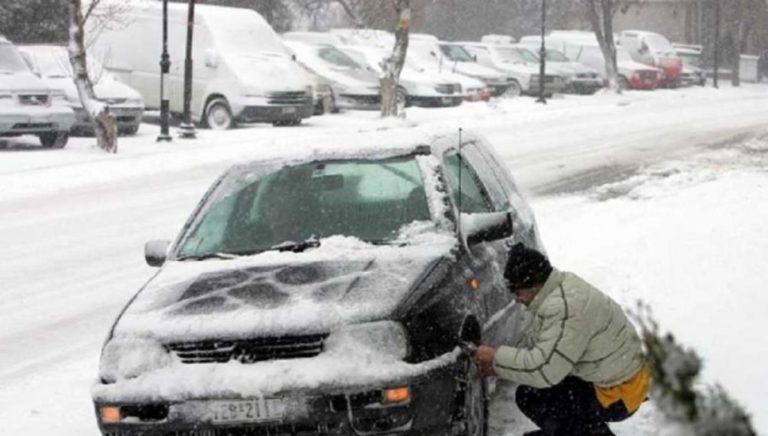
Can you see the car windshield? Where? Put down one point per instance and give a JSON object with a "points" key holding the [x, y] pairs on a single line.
{"points": [[456, 53], [556, 56], [658, 43], [258, 209], [54, 63], [691, 59], [10, 60], [509, 55], [337, 57]]}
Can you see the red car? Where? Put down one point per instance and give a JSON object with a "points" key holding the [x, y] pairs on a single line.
{"points": [[654, 50]]}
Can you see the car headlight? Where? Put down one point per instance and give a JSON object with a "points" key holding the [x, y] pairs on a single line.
{"points": [[382, 338], [128, 357]]}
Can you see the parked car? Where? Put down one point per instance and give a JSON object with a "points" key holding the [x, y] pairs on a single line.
{"points": [[655, 50], [692, 73], [242, 71], [473, 90], [579, 78], [417, 86], [353, 86], [521, 66], [459, 60], [51, 63], [27, 105], [328, 293]]}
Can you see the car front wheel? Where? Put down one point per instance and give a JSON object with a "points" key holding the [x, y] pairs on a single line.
{"points": [[514, 90], [473, 401], [54, 139], [218, 115]]}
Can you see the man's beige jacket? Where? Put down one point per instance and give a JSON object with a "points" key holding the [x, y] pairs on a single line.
{"points": [[576, 330]]}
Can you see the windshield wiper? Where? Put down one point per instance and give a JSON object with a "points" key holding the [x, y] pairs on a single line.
{"points": [[297, 247], [212, 255]]}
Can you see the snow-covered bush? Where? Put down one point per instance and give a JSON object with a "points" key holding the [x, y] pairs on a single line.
{"points": [[674, 370]]}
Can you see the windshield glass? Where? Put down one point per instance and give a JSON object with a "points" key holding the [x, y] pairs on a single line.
{"points": [[456, 53], [337, 57], [509, 55], [556, 56], [253, 210], [10, 60], [691, 59], [528, 55], [658, 43]]}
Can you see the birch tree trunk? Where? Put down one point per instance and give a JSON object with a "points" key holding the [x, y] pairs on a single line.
{"points": [[600, 13], [104, 122], [393, 66]]}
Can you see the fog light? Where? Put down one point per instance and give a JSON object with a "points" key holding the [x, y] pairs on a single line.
{"points": [[110, 414], [397, 395]]}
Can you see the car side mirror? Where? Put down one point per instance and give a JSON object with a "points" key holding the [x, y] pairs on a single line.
{"points": [[474, 58], [644, 47], [483, 227], [211, 59], [156, 252]]}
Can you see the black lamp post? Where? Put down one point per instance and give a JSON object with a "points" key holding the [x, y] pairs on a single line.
{"points": [[165, 68], [543, 53], [187, 128], [717, 43]]}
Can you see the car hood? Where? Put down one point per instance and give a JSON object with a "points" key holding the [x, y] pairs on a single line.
{"points": [[630, 66], [22, 81], [106, 88], [344, 281], [474, 69], [260, 70]]}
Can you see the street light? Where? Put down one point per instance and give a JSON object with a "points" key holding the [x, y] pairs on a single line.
{"points": [[187, 128], [165, 68], [542, 53]]}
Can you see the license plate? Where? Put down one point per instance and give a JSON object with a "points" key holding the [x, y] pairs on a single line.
{"points": [[266, 409], [447, 100], [289, 110]]}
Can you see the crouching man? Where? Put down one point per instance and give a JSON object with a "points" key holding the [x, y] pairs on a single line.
{"points": [[580, 364]]}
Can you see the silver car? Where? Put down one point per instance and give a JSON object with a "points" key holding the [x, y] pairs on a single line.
{"points": [[27, 105], [51, 64]]}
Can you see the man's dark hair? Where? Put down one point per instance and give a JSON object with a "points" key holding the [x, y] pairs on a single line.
{"points": [[526, 268]]}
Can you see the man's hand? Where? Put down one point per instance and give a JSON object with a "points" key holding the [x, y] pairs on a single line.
{"points": [[483, 357]]}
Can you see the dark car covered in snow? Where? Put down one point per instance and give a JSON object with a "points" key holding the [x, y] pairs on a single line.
{"points": [[333, 293]]}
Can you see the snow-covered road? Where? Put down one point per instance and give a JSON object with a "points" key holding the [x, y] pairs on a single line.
{"points": [[73, 221]]}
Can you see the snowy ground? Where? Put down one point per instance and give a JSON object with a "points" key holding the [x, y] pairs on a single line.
{"points": [[659, 196]]}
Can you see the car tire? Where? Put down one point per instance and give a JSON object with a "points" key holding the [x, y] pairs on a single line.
{"points": [[287, 123], [218, 115], [54, 139], [473, 390], [402, 99], [623, 83], [131, 130], [514, 90]]}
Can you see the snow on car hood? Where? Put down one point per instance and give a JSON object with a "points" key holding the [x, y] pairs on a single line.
{"points": [[22, 81], [344, 281], [260, 70]]}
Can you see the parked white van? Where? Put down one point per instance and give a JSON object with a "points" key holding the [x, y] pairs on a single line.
{"points": [[27, 105], [242, 71]]}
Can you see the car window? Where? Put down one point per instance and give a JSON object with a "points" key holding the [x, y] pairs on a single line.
{"points": [[10, 60], [367, 199], [337, 57], [473, 199], [456, 53], [488, 176]]}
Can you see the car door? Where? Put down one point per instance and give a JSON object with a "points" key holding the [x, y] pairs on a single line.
{"points": [[486, 260]]}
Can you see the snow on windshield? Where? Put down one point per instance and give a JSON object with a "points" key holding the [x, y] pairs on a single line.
{"points": [[10, 60], [366, 199]]}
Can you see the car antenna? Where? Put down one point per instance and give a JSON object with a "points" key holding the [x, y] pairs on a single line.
{"points": [[458, 214]]}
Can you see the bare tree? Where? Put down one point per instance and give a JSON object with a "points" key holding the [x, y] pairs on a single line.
{"points": [[600, 14], [393, 65], [104, 123]]}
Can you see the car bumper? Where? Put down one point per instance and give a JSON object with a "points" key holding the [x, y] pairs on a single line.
{"points": [[584, 85], [269, 114], [331, 411], [34, 120], [358, 101], [435, 101], [126, 117]]}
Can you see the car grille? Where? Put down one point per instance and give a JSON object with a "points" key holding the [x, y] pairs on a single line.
{"points": [[448, 88], [587, 76], [289, 98], [33, 126], [647, 75], [250, 350], [33, 99]]}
